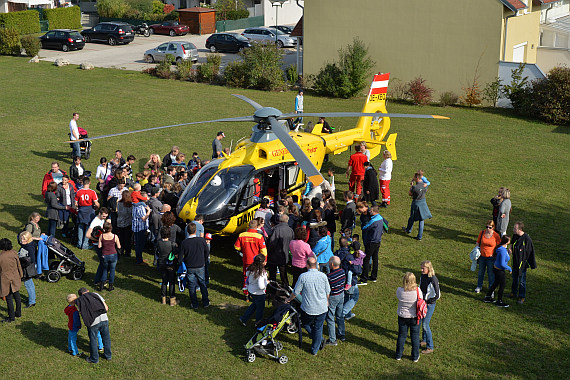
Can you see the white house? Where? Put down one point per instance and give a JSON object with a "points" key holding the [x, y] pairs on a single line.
{"points": [[21, 5], [554, 45]]}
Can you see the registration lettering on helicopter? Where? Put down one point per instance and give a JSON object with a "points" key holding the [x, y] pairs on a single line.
{"points": [[379, 88], [279, 152], [245, 218], [311, 150]]}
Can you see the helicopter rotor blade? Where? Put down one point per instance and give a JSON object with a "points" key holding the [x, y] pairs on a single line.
{"points": [[230, 119], [359, 114], [254, 104], [312, 173]]}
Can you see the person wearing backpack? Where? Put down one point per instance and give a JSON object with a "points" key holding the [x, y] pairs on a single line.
{"points": [[429, 285], [408, 295], [167, 264]]}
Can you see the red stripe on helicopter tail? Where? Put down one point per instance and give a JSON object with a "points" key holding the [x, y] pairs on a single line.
{"points": [[381, 77], [381, 90]]}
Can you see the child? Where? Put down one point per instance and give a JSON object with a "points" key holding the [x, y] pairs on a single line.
{"points": [[140, 178], [180, 157], [137, 195], [146, 174], [73, 324], [424, 179], [331, 180]]}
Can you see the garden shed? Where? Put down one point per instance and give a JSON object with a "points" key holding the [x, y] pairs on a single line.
{"points": [[200, 20]]}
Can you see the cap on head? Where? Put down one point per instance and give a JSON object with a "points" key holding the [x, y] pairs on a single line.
{"points": [[220, 133]]}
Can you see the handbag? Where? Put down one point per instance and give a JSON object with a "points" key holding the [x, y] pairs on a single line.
{"points": [[421, 307]]}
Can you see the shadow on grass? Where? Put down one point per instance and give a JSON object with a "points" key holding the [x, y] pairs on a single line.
{"points": [[60, 156], [47, 335], [564, 129]]}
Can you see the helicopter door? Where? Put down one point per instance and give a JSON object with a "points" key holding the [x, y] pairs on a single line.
{"points": [[288, 176]]}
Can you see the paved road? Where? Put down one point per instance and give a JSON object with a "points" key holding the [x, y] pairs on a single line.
{"points": [[130, 57]]}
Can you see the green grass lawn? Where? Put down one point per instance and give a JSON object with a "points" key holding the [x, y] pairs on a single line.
{"points": [[466, 158]]}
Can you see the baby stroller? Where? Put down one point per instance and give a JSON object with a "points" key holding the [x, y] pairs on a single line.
{"points": [[84, 146], [65, 263], [263, 341], [276, 293]]}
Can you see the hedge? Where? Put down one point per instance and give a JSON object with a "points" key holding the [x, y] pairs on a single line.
{"points": [[25, 22], [63, 18]]}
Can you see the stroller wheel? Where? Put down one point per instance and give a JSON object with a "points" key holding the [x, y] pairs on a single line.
{"points": [[292, 328], [53, 276], [283, 359], [278, 346], [77, 275], [250, 356]]}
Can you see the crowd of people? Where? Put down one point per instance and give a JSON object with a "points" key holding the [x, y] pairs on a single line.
{"points": [[285, 236]]}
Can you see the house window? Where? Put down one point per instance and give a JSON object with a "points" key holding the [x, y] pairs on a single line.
{"points": [[561, 40]]}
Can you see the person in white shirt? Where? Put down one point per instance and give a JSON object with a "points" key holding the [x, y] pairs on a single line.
{"points": [[256, 284], [74, 132], [385, 172], [364, 150]]}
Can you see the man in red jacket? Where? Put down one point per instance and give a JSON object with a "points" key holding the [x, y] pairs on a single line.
{"points": [[250, 244], [355, 171], [55, 175]]}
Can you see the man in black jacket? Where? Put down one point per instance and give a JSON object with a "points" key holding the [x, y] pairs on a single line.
{"points": [[370, 187], [523, 258], [93, 310], [194, 254], [278, 250]]}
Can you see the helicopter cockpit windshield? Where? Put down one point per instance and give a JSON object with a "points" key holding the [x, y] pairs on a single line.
{"points": [[219, 198], [198, 182]]}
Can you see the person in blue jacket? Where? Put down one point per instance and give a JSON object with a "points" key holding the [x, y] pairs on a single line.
{"points": [[323, 250], [501, 264], [372, 238]]}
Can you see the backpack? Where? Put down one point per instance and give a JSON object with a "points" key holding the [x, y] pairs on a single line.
{"points": [[421, 307]]}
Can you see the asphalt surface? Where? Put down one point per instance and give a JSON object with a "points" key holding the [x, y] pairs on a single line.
{"points": [[131, 56]]}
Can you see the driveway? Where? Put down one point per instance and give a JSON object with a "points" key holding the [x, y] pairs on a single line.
{"points": [[130, 57]]}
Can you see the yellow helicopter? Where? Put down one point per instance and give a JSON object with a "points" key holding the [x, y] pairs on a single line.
{"points": [[276, 159]]}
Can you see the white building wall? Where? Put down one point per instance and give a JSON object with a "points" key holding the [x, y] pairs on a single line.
{"points": [[559, 9], [288, 14], [3, 6]]}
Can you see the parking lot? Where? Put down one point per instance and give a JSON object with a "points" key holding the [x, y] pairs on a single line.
{"points": [[130, 57]]}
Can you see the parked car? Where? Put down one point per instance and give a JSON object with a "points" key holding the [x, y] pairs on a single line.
{"points": [[284, 28], [64, 39], [181, 50], [268, 35], [112, 32], [172, 28], [232, 42]]}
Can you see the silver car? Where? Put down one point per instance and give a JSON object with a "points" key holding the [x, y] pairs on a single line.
{"points": [[269, 35], [181, 50]]}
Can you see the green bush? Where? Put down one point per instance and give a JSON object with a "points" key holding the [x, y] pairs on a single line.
{"points": [[349, 76], [184, 71], [31, 44], [232, 14], [448, 98], [215, 60], [206, 72], [172, 16], [9, 41], [112, 8], [492, 92], [163, 69], [235, 74], [263, 62], [550, 97], [157, 7], [419, 92], [517, 91], [292, 74], [63, 18], [144, 6], [25, 22]]}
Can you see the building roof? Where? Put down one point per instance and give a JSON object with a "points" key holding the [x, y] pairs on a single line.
{"points": [[514, 5], [196, 10], [298, 29], [547, 1]]}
